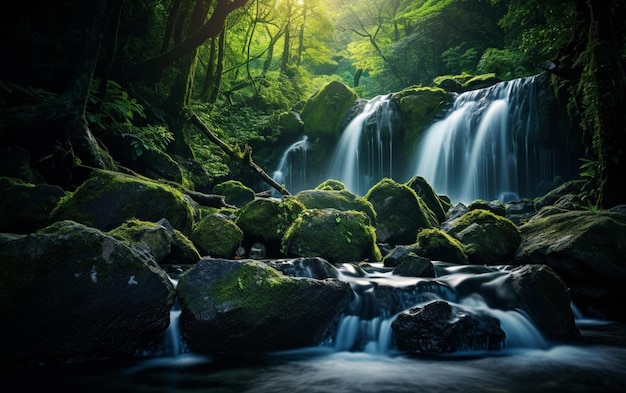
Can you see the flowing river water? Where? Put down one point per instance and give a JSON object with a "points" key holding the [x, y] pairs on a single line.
{"points": [[361, 356]]}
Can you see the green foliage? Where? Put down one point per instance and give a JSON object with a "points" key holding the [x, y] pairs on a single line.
{"points": [[116, 107]]}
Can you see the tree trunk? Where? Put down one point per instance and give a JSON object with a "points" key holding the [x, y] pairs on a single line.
{"points": [[593, 60]]}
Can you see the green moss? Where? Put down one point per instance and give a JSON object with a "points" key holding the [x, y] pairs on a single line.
{"points": [[323, 114], [331, 184], [107, 199], [235, 192], [341, 199], [435, 244], [217, 236], [335, 235], [252, 286]]}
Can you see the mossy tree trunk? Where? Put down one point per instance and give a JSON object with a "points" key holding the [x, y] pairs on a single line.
{"points": [[597, 89]]}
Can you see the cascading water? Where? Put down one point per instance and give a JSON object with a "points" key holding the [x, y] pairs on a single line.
{"points": [[364, 154], [495, 143], [380, 295], [291, 170]]}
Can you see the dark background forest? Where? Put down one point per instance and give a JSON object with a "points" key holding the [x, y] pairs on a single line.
{"points": [[81, 81]]}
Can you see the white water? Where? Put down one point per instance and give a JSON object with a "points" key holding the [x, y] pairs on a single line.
{"points": [[291, 170], [364, 152], [487, 146]]}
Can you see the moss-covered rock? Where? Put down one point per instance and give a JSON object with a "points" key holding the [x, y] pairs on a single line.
{"points": [[107, 199], [232, 306], [26, 207], [418, 107], [336, 199], [153, 237], [437, 245], [335, 235], [235, 192], [266, 220], [216, 235], [331, 184], [488, 239], [71, 293], [465, 82], [323, 114], [587, 249], [400, 212], [435, 203]]}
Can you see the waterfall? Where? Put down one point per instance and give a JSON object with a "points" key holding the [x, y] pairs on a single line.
{"points": [[291, 170], [364, 154], [495, 143]]}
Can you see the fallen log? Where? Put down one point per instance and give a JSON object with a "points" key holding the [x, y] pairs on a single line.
{"points": [[243, 156]]}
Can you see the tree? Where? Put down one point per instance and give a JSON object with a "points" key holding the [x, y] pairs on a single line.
{"points": [[591, 71]]}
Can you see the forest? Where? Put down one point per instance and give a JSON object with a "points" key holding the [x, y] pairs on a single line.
{"points": [[82, 80]]}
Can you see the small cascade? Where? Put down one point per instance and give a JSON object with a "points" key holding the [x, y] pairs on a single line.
{"points": [[291, 170], [364, 153], [495, 143], [380, 296]]}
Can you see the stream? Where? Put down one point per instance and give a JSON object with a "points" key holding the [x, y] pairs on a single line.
{"points": [[361, 356]]}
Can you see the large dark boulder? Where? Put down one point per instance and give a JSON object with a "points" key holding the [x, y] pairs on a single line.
{"points": [[70, 293], [587, 249], [247, 306], [439, 328]]}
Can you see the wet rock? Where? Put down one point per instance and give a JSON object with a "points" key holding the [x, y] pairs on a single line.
{"points": [[439, 328], [235, 306]]}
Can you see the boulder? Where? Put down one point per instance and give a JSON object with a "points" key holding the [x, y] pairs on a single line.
{"points": [[246, 306], [400, 213], [217, 236], [541, 294], [439, 328], [107, 199], [149, 236], [235, 192], [587, 249], [26, 207], [323, 114], [335, 235], [488, 238], [336, 199], [265, 221], [437, 245], [71, 293], [435, 203]]}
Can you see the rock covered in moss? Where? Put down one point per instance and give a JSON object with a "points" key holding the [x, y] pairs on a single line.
{"points": [[418, 107], [149, 236], [323, 114], [245, 305], [26, 207], [439, 206], [336, 199], [266, 220], [488, 238], [73, 293], [400, 212], [217, 235], [107, 199], [335, 235], [587, 249], [331, 184], [436, 245], [235, 192]]}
